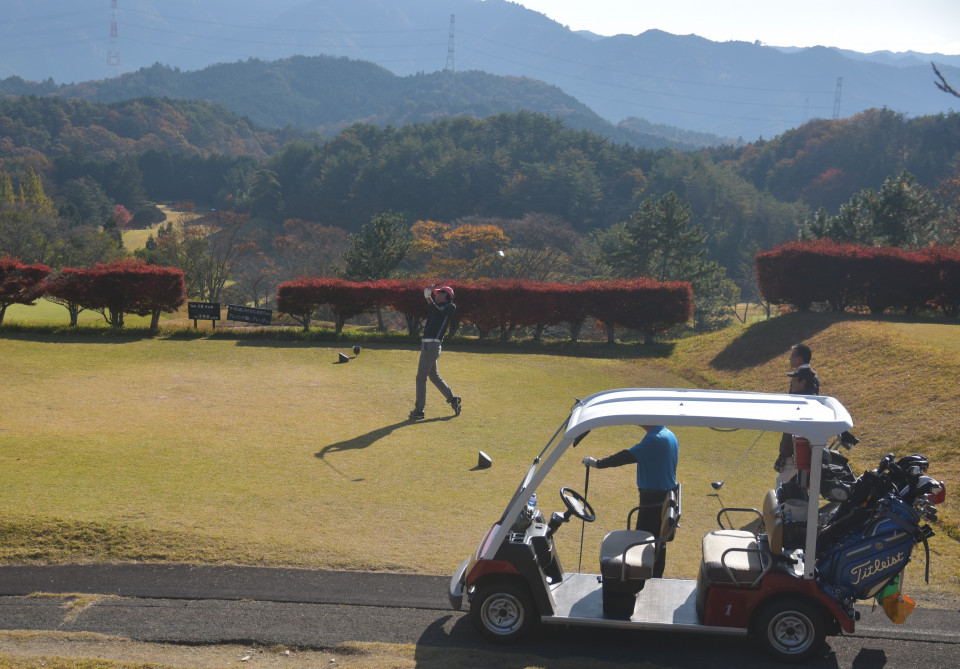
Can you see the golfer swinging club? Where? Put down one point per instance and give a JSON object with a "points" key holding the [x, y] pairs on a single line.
{"points": [[442, 308]]}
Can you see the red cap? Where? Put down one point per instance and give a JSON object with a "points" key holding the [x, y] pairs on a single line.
{"points": [[446, 289]]}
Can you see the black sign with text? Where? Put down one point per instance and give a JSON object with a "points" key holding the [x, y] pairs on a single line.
{"points": [[249, 314], [203, 311]]}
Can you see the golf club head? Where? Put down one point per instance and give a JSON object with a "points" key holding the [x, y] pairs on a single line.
{"points": [[716, 485]]}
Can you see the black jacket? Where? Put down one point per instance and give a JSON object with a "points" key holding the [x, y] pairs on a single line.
{"points": [[439, 319]]}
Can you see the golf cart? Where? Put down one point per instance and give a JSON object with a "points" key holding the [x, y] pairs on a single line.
{"points": [[749, 583]]}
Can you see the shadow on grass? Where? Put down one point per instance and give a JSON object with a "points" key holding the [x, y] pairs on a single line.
{"points": [[369, 439], [65, 335], [295, 338], [766, 340]]}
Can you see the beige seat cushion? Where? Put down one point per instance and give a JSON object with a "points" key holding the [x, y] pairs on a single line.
{"points": [[773, 522], [640, 559], [745, 563]]}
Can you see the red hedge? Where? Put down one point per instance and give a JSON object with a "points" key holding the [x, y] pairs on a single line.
{"points": [[503, 305], [845, 275]]}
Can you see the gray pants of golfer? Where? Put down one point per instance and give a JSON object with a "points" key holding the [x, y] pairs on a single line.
{"points": [[427, 369]]}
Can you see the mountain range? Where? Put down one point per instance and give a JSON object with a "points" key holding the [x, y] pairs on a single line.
{"points": [[730, 89], [324, 95]]}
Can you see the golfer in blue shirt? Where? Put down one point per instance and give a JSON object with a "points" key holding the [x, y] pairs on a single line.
{"points": [[656, 460]]}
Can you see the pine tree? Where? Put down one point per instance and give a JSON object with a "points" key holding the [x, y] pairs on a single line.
{"points": [[378, 249]]}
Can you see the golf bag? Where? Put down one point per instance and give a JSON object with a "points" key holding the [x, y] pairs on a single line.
{"points": [[870, 537], [871, 553], [836, 483]]}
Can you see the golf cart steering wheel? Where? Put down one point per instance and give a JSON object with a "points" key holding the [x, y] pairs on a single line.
{"points": [[577, 505]]}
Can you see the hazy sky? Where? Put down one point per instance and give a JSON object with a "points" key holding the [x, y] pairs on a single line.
{"points": [[928, 26]]}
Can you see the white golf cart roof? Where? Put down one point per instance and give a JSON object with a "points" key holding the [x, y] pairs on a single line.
{"points": [[816, 417]]}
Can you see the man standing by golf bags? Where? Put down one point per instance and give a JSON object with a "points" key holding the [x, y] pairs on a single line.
{"points": [[442, 309]]}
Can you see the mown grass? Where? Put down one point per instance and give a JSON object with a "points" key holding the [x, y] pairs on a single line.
{"points": [[253, 450], [47, 313]]}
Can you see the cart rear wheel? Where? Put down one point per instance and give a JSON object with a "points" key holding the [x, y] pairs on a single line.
{"points": [[503, 612], [790, 630]]}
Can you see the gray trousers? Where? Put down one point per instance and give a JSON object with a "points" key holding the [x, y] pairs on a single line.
{"points": [[427, 369]]}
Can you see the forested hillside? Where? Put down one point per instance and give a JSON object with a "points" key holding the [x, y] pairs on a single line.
{"points": [[39, 129], [824, 162], [570, 203], [325, 95]]}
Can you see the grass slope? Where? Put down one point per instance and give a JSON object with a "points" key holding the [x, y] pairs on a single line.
{"points": [[898, 381], [267, 452]]}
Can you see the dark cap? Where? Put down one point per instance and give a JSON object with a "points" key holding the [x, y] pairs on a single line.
{"points": [[806, 374]]}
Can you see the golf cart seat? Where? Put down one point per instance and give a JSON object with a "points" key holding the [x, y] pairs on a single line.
{"points": [[740, 558], [628, 557]]}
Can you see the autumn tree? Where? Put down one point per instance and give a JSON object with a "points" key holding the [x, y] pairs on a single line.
{"points": [[131, 286], [208, 250], [439, 249], [69, 289], [305, 248], [545, 248], [19, 283]]}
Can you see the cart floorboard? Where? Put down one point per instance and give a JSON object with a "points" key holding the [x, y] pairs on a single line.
{"points": [[663, 603]]}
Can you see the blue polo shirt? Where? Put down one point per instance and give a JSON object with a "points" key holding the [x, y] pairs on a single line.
{"points": [[656, 457]]}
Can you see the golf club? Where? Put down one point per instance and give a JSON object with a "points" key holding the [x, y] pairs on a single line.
{"points": [[583, 523], [719, 484], [496, 254]]}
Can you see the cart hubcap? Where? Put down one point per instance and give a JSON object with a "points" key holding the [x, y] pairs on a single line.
{"points": [[502, 614], [791, 632]]}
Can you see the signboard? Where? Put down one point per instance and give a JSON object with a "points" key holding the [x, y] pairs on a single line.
{"points": [[204, 311], [249, 314]]}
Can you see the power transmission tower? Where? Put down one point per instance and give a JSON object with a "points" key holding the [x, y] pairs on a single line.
{"points": [[836, 99], [449, 67], [113, 54]]}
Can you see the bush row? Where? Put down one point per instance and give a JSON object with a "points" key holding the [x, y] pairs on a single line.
{"points": [[848, 275], [504, 305], [121, 287]]}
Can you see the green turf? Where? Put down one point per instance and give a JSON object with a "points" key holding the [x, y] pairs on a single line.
{"points": [[275, 454], [45, 312], [259, 451]]}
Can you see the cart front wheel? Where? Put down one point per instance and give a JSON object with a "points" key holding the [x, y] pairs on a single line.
{"points": [[503, 612], [790, 630]]}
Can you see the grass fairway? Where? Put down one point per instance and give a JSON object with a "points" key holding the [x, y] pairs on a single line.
{"points": [[259, 453], [266, 452]]}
